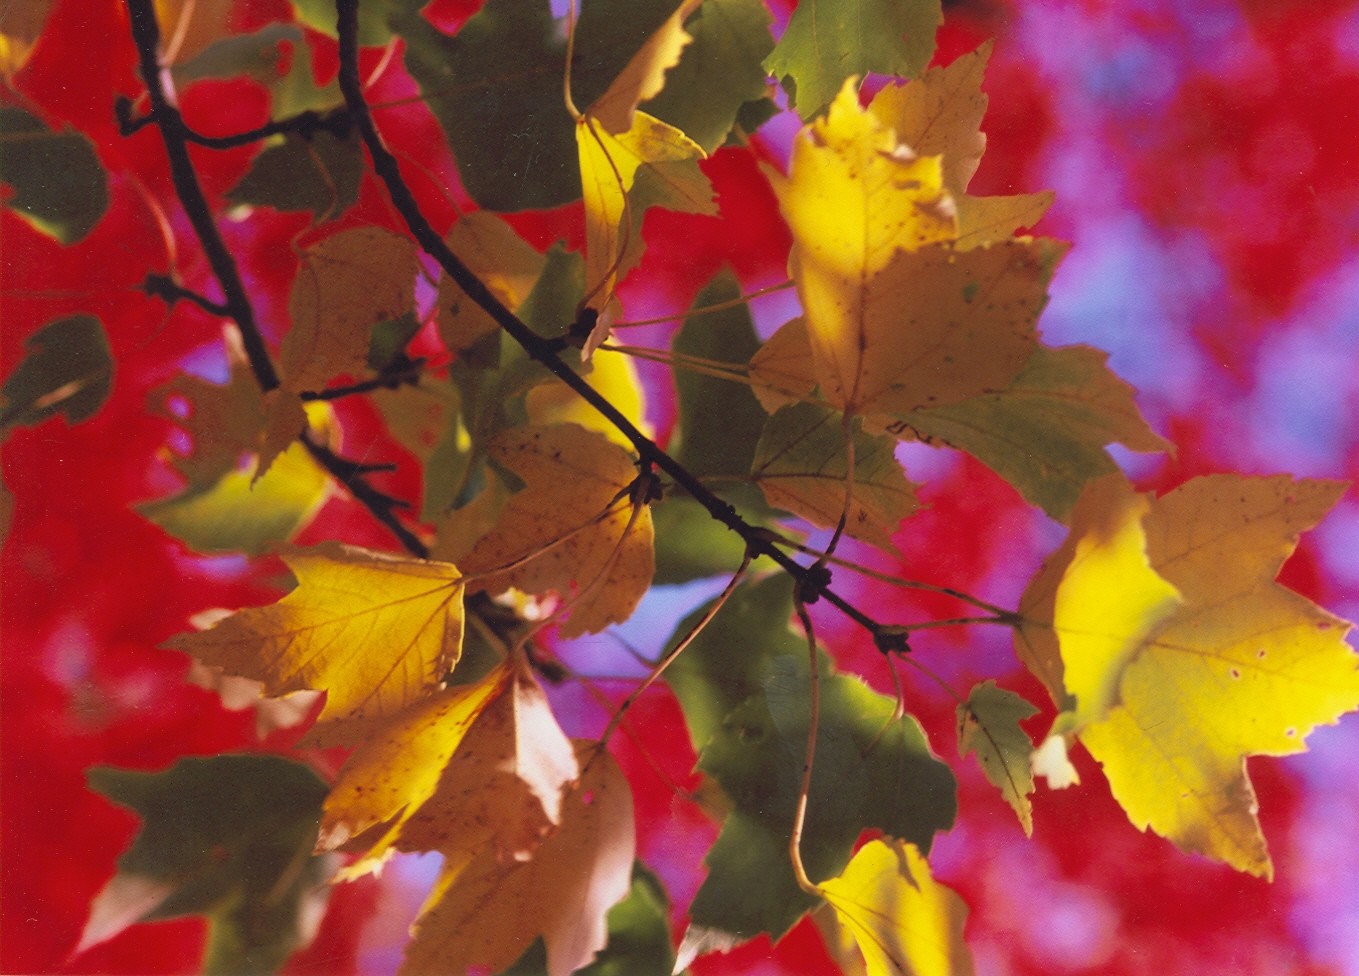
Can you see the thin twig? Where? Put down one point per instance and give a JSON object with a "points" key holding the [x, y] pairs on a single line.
{"points": [[544, 351], [813, 728]]}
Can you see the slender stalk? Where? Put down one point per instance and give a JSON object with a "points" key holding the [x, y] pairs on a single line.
{"points": [[813, 728]]}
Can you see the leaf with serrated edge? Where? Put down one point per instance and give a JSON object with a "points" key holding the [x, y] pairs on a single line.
{"points": [[554, 532], [1242, 667], [397, 768], [985, 220], [373, 630], [828, 40], [801, 464], [345, 285], [644, 75], [718, 72], [1046, 432], [988, 724], [940, 113], [503, 788], [501, 259], [905, 922], [484, 909]]}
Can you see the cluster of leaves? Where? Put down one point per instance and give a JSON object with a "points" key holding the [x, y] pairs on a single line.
{"points": [[547, 510]]}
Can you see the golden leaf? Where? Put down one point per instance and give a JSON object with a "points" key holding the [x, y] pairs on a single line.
{"points": [[503, 261], [345, 285], [374, 631], [568, 530], [904, 922]]}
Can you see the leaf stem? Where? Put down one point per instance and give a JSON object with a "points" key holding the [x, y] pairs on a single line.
{"points": [[809, 757], [706, 309]]}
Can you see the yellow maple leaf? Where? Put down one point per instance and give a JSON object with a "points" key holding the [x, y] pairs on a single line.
{"points": [[504, 788], [486, 909], [904, 922], [372, 630], [397, 768], [1171, 701], [570, 530], [345, 285]]}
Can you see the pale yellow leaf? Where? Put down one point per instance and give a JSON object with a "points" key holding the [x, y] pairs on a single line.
{"points": [[940, 113], [486, 910], [345, 285], [1243, 667], [905, 922], [372, 630], [503, 261], [568, 531]]}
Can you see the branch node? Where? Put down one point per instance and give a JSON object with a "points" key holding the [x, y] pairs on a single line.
{"points": [[128, 122], [891, 639]]}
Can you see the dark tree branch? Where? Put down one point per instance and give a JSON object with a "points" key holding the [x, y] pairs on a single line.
{"points": [[305, 124], [409, 372], [811, 583], [176, 136], [170, 291]]}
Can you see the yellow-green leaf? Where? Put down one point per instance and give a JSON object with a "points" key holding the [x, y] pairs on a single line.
{"points": [[374, 631], [570, 530], [1046, 432], [644, 75], [905, 922], [988, 724], [984, 220], [828, 40], [485, 909], [345, 285], [242, 512], [801, 463]]}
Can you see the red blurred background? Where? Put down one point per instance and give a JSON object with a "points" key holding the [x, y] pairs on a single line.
{"points": [[1203, 154]]}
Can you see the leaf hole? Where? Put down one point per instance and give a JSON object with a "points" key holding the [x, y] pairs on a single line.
{"points": [[1236, 673]]}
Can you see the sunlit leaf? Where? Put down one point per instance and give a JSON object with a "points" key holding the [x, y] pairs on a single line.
{"points": [[904, 922], [426, 418], [643, 76], [505, 786], [801, 463], [613, 376], [373, 630], [988, 724], [570, 530], [345, 285], [1171, 703], [829, 40], [56, 181], [608, 164], [485, 909], [984, 220], [226, 836], [67, 369], [940, 113], [394, 771], [782, 371]]}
